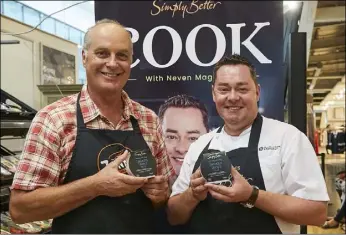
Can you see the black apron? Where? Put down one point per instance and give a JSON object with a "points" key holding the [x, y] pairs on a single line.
{"points": [[214, 216], [162, 225], [132, 213]]}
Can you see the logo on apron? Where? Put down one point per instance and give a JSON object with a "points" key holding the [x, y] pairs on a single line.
{"points": [[248, 179], [109, 153]]}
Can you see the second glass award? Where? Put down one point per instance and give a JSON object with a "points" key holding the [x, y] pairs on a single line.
{"points": [[216, 168]]}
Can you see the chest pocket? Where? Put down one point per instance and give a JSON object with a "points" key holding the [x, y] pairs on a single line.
{"points": [[271, 171]]}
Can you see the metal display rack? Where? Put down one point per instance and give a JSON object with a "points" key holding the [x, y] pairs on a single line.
{"points": [[16, 118]]}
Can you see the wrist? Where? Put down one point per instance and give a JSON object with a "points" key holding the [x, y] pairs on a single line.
{"points": [[96, 185], [250, 202], [192, 197], [249, 193]]}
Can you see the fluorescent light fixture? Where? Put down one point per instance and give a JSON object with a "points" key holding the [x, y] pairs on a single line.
{"points": [[291, 5]]}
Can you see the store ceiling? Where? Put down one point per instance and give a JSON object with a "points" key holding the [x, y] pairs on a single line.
{"points": [[326, 66]]}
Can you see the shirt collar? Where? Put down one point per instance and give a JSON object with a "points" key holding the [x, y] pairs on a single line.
{"points": [[129, 108], [87, 105], [90, 111], [244, 132]]}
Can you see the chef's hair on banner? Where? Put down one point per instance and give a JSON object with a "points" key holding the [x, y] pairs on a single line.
{"points": [[177, 44]]}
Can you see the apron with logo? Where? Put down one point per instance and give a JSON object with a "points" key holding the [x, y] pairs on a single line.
{"points": [[94, 149], [214, 216]]}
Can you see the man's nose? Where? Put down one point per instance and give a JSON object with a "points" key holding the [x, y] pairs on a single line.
{"points": [[233, 95], [112, 62], [182, 147]]}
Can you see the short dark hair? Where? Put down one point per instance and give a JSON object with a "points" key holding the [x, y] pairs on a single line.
{"points": [[184, 101], [235, 59]]}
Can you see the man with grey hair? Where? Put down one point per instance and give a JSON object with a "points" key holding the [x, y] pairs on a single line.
{"points": [[72, 165]]}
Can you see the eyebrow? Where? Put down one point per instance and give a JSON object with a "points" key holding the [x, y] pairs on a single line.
{"points": [[171, 131], [123, 51], [189, 132], [238, 84], [104, 48], [100, 48], [242, 83], [194, 132]]}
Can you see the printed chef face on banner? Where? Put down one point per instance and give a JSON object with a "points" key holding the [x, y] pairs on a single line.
{"points": [[181, 127], [109, 153], [177, 44]]}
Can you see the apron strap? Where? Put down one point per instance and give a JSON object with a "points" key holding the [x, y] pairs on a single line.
{"points": [[253, 141], [255, 132], [206, 148], [81, 124], [135, 125], [80, 119], [137, 130]]}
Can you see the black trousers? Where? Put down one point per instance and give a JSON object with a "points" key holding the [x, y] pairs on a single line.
{"points": [[341, 213]]}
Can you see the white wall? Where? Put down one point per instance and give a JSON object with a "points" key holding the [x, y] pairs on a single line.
{"points": [[80, 16], [21, 63], [17, 69]]}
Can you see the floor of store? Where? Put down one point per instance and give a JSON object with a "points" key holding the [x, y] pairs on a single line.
{"points": [[319, 230], [334, 163]]}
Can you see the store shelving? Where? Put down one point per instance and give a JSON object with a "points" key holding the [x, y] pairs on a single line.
{"points": [[16, 118]]}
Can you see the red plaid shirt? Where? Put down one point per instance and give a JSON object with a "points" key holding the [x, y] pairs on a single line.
{"points": [[51, 139]]}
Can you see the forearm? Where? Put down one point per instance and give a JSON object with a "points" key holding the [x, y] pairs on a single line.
{"points": [[292, 209], [51, 202], [180, 207], [162, 203]]}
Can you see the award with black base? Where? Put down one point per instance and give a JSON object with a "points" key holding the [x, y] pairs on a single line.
{"points": [[141, 163], [216, 168]]}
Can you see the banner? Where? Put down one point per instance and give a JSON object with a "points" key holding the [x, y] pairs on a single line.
{"points": [[177, 43]]}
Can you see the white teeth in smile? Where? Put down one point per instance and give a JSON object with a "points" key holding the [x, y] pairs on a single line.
{"points": [[179, 159], [110, 74], [234, 108]]}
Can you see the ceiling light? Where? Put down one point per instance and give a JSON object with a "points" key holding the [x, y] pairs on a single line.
{"points": [[291, 4]]}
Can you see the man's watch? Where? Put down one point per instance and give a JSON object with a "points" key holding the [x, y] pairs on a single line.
{"points": [[250, 203]]}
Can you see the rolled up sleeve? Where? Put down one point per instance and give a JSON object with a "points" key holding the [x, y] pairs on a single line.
{"points": [[39, 165]]}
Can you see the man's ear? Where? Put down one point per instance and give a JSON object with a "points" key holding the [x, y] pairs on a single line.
{"points": [[258, 92], [84, 57], [212, 92]]}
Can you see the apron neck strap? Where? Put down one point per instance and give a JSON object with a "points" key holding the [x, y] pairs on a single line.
{"points": [[135, 125], [80, 119], [255, 131], [254, 135], [81, 124], [253, 141]]}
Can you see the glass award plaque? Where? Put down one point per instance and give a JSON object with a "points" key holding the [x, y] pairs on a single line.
{"points": [[141, 163], [216, 168]]}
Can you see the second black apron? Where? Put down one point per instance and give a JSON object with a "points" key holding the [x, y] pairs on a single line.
{"points": [[214, 216]]}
